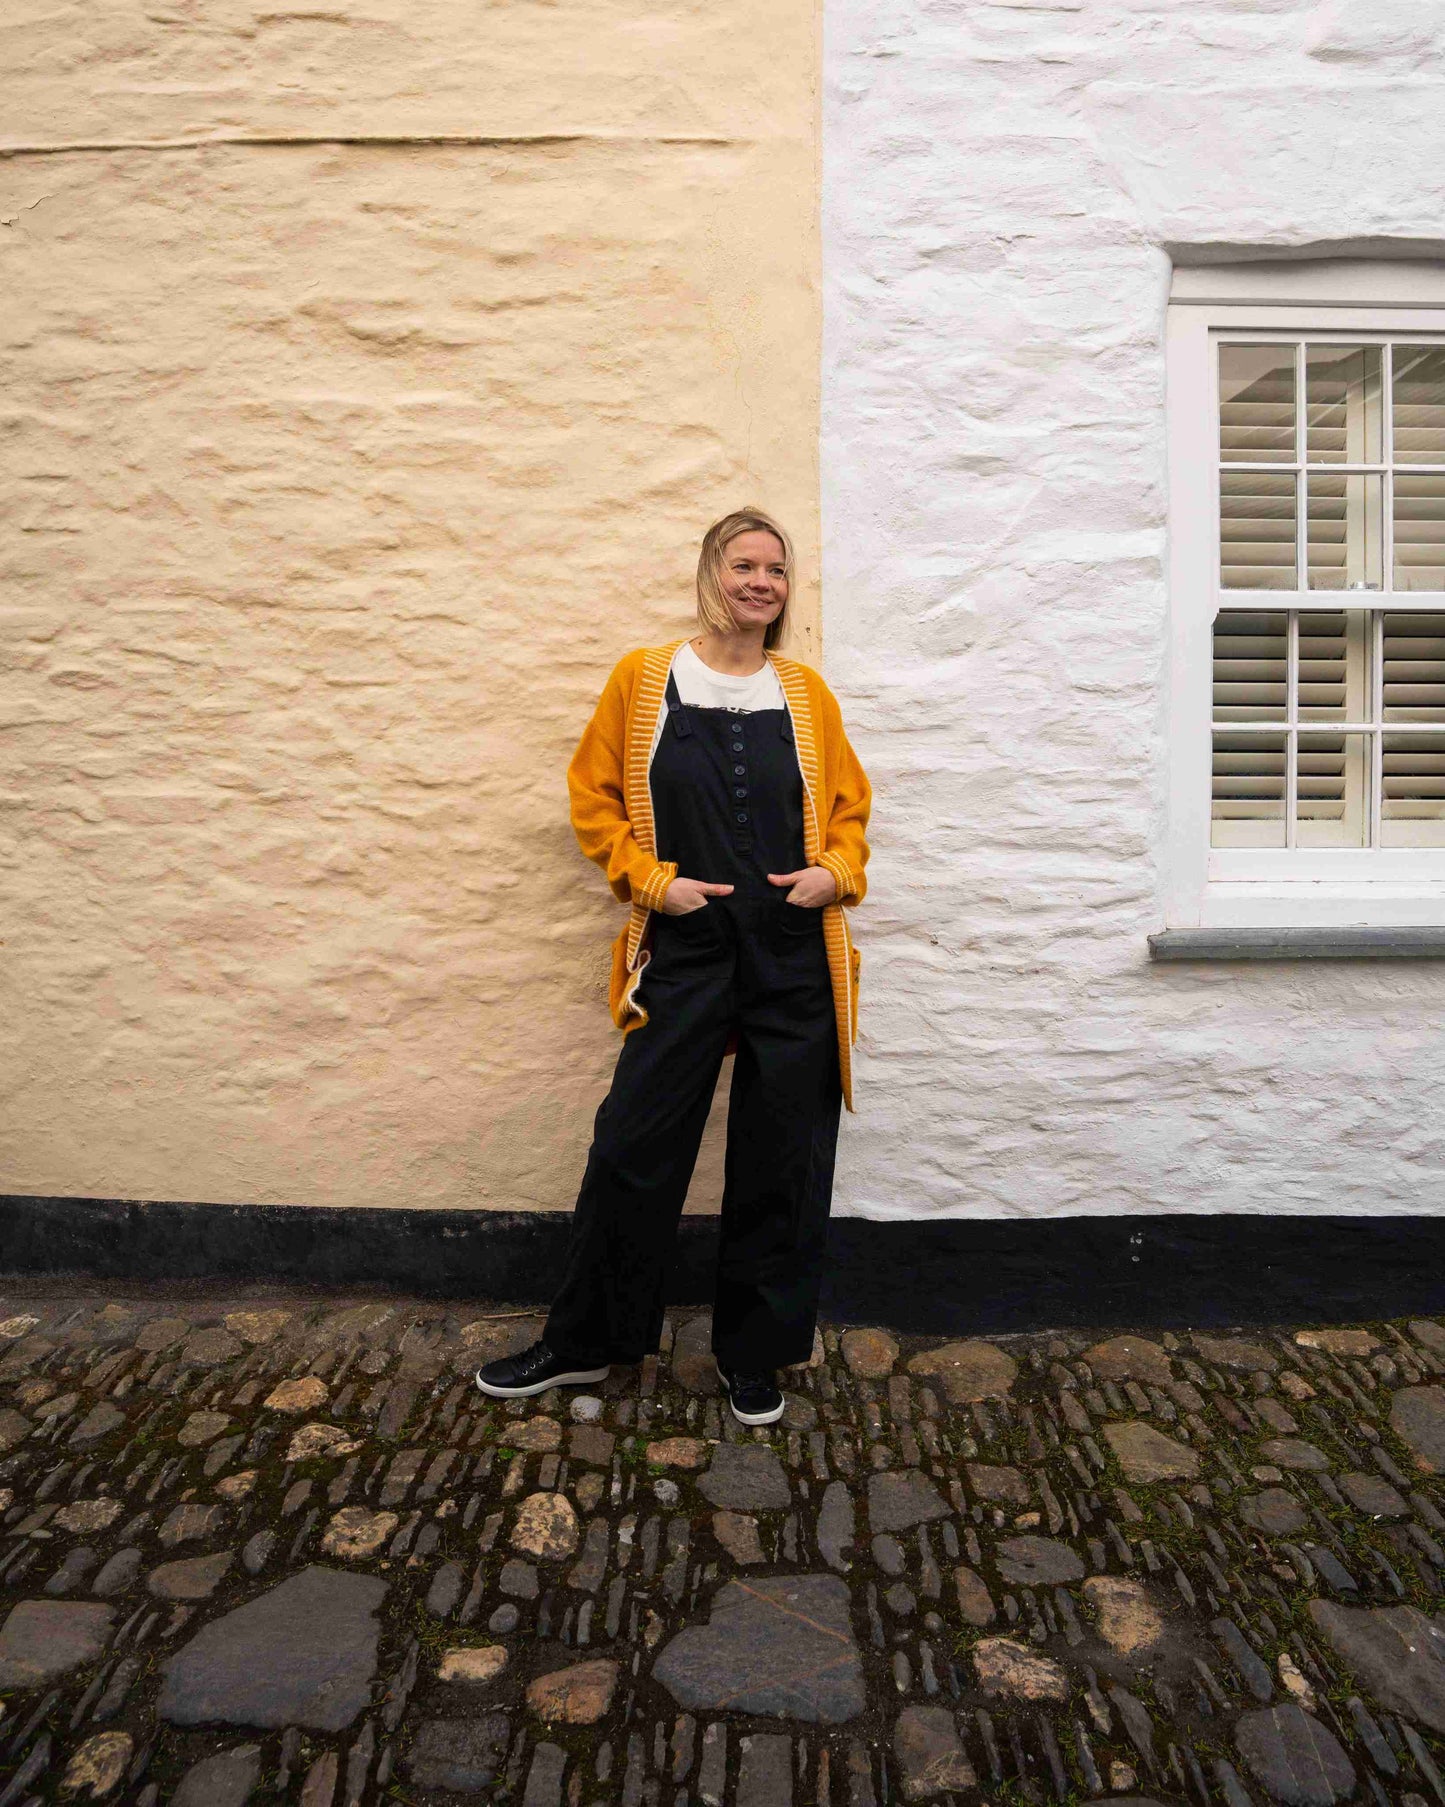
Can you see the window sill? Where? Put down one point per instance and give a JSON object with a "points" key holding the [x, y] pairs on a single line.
{"points": [[1273, 906], [1403, 943]]}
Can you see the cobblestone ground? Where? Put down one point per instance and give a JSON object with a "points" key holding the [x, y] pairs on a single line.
{"points": [[281, 1549]]}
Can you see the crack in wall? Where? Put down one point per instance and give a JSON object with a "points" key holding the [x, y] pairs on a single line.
{"points": [[399, 140], [10, 219]]}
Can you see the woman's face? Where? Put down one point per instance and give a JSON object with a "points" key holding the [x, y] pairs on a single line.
{"points": [[755, 580]]}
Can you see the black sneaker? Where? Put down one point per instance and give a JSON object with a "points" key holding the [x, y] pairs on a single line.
{"points": [[754, 1398], [533, 1371]]}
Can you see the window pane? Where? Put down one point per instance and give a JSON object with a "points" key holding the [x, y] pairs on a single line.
{"points": [[1413, 811], [1344, 405], [1332, 787], [1345, 547], [1419, 404], [1257, 530], [1247, 807], [1256, 404], [1251, 654], [1331, 666], [1414, 675], [1419, 532]]}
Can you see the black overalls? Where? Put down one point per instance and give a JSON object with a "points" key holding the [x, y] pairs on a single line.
{"points": [[728, 805]]}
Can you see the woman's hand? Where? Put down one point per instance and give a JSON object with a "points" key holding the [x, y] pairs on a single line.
{"points": [[684, 895], [811, 888]]}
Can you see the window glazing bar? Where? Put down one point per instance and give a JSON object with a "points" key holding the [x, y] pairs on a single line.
{"points": [[1376, 801], [1291, 744], [1301, 506]]}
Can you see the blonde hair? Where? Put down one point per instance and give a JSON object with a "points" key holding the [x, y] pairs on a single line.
{"points": [[713, 613]]}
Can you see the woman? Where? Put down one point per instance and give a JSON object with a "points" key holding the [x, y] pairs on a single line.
{"points": [[715, 787]]}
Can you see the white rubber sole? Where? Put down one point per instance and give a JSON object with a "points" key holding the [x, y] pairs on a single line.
{"points": [[750, 1417], [579, 1377]]}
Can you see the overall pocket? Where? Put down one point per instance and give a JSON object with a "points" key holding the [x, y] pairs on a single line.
{"points": [[794, 926], [799, 919], [695, 929]]}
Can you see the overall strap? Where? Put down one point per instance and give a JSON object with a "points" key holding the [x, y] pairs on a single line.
{"points": [[676, 709]]}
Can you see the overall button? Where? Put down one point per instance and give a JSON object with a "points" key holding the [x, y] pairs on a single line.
{"points": [[742, 816], [740, 791], [737, 746], [740, 771], [735, 727]]}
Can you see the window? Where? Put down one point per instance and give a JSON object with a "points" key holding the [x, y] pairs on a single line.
{"points": [[1307, 569], [1329, 721]]}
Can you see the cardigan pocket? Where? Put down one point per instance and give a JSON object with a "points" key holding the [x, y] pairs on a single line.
{"points": [[620, 986]]}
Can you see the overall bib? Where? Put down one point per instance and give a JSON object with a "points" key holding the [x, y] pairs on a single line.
{"points": [[728, 805]]}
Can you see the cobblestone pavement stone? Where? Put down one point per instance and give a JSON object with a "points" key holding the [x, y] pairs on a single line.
{"points": [[281, 1549]]}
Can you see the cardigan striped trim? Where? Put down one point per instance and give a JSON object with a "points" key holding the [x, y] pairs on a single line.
{"points": [[842, 873], [642, 725], [651, 894], [835, 927], [637, 794]]}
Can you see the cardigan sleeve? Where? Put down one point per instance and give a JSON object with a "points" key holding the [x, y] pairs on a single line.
{"points": [[845, 847], [599, 807]]}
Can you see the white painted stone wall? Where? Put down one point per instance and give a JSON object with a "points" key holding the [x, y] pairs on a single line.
{"points": [[1002, 185]]}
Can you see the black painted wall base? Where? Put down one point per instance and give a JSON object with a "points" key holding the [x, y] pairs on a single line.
{"points": [[939, 1276]]}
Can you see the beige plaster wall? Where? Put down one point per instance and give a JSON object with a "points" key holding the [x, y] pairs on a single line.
{"points": [[368, 375]]}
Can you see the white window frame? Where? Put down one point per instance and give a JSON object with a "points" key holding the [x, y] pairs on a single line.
{"points": [[1209, 887]]}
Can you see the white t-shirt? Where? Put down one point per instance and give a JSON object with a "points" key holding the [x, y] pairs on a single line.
{"points": [[704, 688]]}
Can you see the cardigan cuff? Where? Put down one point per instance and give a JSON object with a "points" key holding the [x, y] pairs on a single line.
{"points": [[842, 874], [655, 885]]}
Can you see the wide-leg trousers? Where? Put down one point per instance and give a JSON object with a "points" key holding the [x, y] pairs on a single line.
{"points": [[756, 967]]}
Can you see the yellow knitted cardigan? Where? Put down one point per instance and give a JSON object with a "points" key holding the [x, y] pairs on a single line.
{"points": [[612, 816]]}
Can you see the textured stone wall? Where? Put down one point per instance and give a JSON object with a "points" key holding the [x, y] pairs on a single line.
{"points": [[1000, 181], [369, 373]]}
